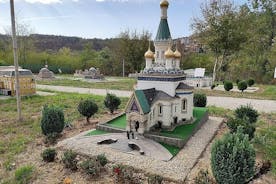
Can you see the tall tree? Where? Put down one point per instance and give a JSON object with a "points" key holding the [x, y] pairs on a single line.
{"points": [[219, 30]]}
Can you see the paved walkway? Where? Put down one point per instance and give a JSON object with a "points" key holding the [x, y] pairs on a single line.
{"points": [[267, 106], [176, 169]]}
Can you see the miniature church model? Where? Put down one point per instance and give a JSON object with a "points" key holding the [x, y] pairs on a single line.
{"points": [[161, 100]]}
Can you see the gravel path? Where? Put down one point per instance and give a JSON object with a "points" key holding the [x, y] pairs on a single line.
{"points": [[267, 106], [176, 169]]}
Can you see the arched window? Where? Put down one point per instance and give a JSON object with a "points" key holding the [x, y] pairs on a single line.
{"points": [[184, 105], [160, 109]]}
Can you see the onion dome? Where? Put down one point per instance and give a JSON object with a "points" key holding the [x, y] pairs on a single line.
{"points": [[169, 53], [149, 54], [164, 3], [177, 54]]}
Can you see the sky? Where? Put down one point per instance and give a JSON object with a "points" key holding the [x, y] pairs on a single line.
{"points": [[100, 18]]}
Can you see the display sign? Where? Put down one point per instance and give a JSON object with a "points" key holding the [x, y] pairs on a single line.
{"points": [[199, 72], [275, 73]]}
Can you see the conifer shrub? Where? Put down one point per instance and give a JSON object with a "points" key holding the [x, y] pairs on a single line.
{"points": [[51, 138], [233, 159], [247, 112], [250, 82], [112, 102], [213, 86], [49, 155], [52, 120], [242, 85], [228, 85], [247, 128], [69, 160], [200, 100], [87, 108]]}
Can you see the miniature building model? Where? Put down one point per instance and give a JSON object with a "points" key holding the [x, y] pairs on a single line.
{"points": [[196, 78], [162, 100], [92, 73], [26, 82], [45, 73]]}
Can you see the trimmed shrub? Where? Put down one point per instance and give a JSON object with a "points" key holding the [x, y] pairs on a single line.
{"points": [[49, 155], [233, 159], [24, 175], [112, 102], [213, 86], [87, 108], [250, 82], [247, 112], [228, 85], [69, 160], [247, 128], [203, 177], [91, 167], [102, 159], [52, 120], [242, 85], [200, 100]]}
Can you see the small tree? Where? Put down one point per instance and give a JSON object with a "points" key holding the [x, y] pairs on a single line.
{"points": [[247, 112], [87, 108], [233, 159], [49, 155], [200, 100], [228, 85], [112, 102], [242, 85], [52, 120], [250, 82]]}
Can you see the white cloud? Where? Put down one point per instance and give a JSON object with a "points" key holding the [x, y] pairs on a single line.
{"points": [[40, 1]]}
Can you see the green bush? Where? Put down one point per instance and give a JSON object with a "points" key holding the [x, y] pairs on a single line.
{"points": [[69, 160], [51, 138], [52, 120], [24, 175], [112, 102], [237, 81], [228, 85], [49, 155], [233, 159], [247, 112], [213, 86], [242, 85], [87, 108], [155, 179], [200, 100], [102, 159], [91, 167], [247, 128], [250, 82], [204, 177]]}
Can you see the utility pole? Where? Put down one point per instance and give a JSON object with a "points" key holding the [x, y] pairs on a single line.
{"points": [[123, 67], [15, 56]]}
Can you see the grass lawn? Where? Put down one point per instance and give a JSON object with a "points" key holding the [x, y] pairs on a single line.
{"points": [[184, 131], [117, 83], [119, 122], [97, 132]]}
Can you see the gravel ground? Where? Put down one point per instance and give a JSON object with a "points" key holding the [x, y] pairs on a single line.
{"points": [[267, 106], [177, 169]]}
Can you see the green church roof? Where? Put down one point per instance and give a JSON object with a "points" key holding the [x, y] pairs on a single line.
{"points": [[142, 101], [163, 32]]}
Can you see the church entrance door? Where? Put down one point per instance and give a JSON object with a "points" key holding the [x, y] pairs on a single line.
{"points": [[137, 125]]}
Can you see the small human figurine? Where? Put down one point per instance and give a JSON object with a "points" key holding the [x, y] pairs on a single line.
{"points": [[128, 135], [132, 133]]}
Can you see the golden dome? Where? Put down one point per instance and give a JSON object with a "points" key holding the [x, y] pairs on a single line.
{"points": [[169, 53], [177, 54], [164, 3], [149, 54]]}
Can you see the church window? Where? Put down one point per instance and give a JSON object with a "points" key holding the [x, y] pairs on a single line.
{"points": [[162, 55], [134, 107], [184, 105], [157, 54], [160, 110]]}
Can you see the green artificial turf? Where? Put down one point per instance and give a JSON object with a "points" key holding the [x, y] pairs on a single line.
{"points": [[96, 132], [119, 122], [172, 149], [184, 131]]}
